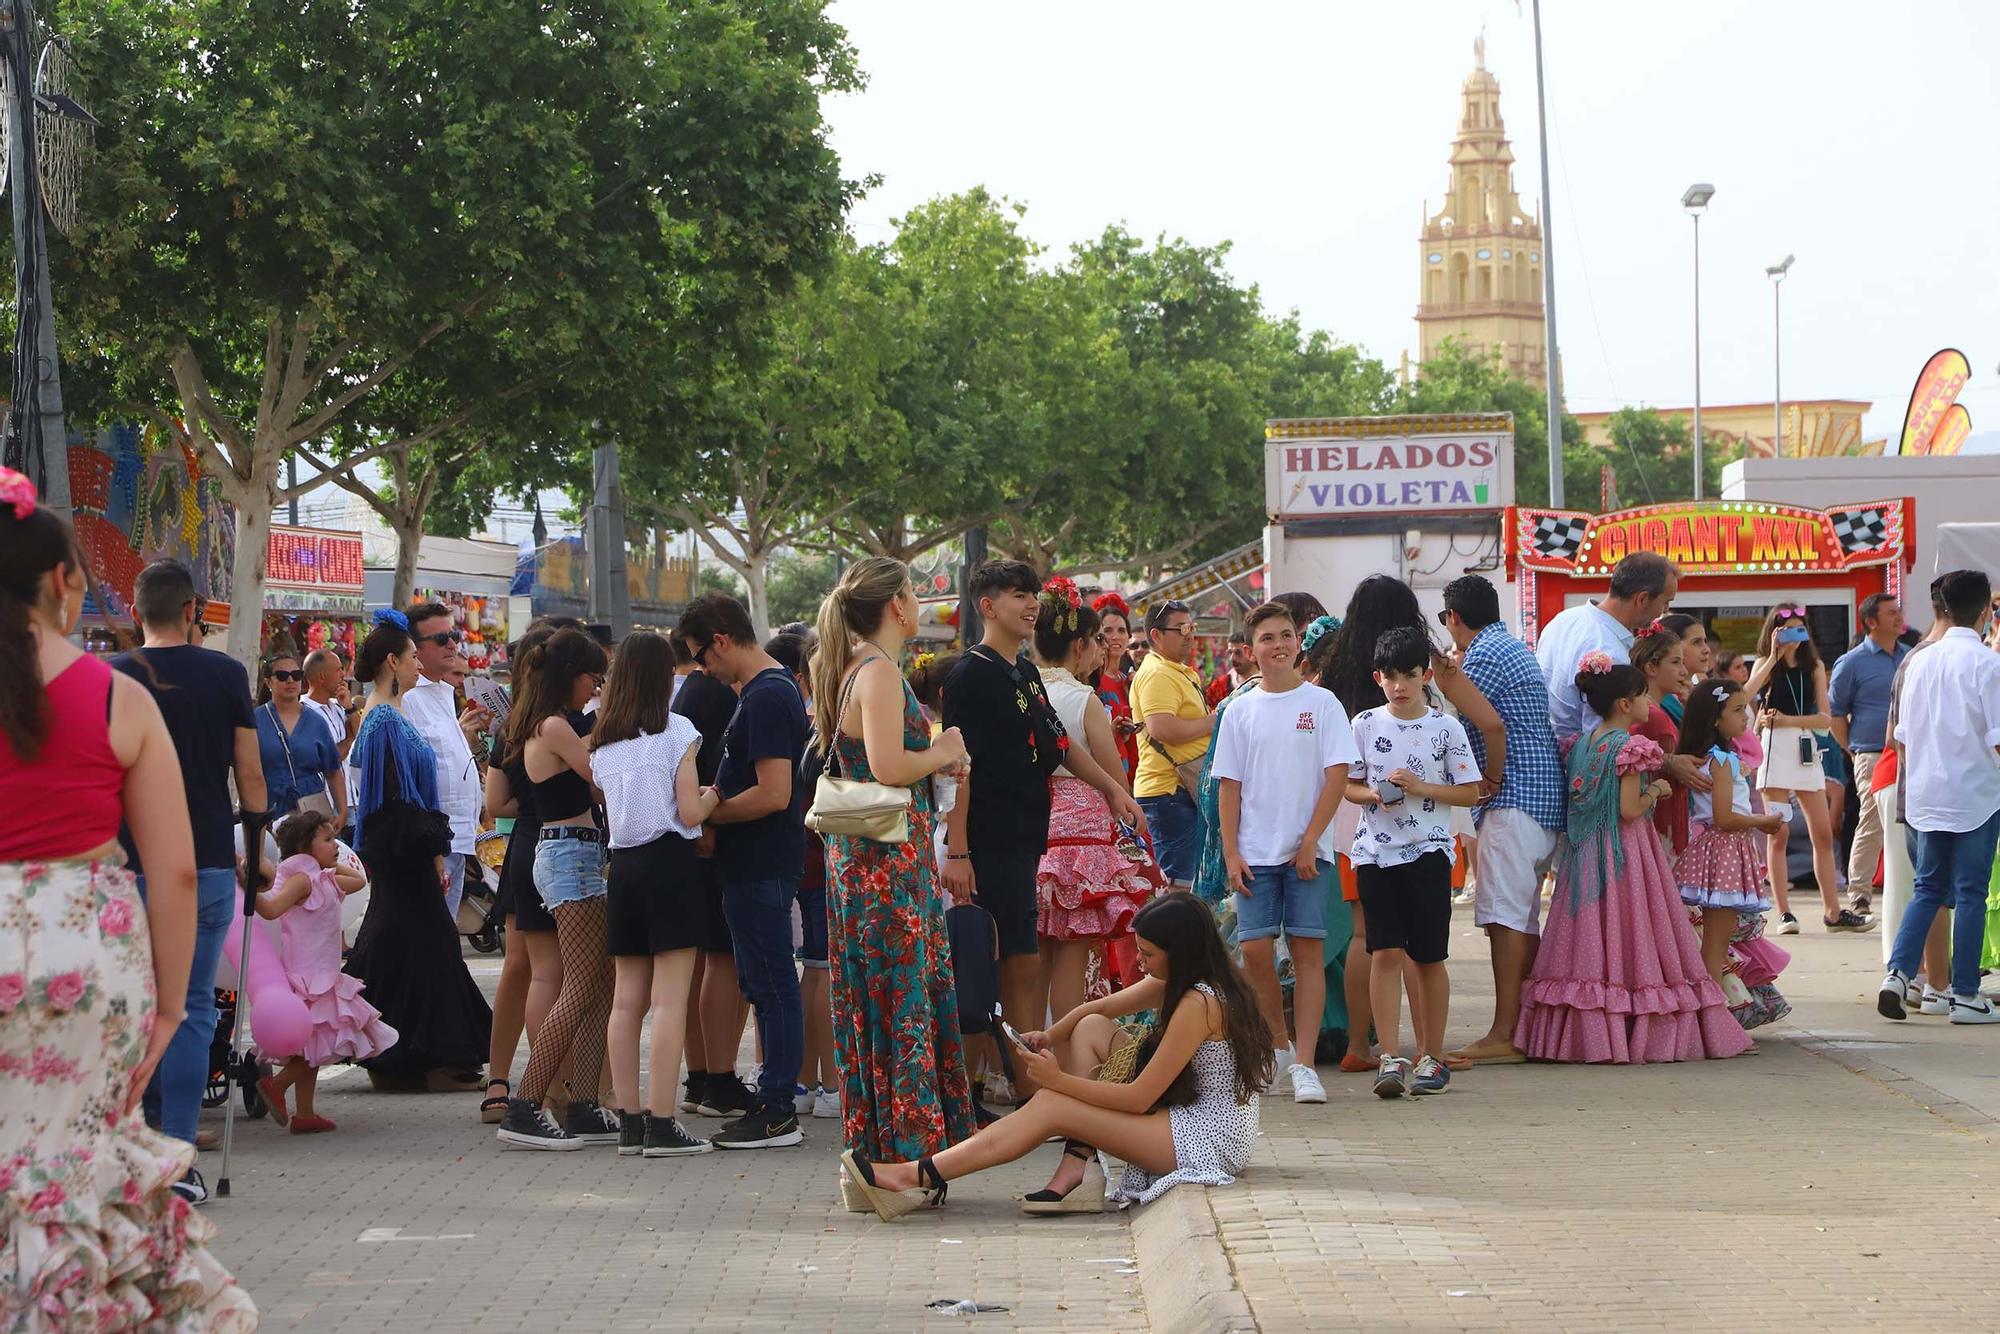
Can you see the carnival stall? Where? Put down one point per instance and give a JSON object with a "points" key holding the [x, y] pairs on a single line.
{"points": [[1738, 559], [312, 590]]}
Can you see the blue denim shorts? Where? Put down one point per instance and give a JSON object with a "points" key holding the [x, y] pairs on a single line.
{"points": [[1175, 822], [1281, 901], [568, 870]]}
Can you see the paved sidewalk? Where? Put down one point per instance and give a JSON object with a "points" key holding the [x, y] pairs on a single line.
{"points": [[411, 1217], [1740, 1194]]}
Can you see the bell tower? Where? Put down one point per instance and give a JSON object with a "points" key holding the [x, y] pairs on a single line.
{"points": [[1480, 258]]}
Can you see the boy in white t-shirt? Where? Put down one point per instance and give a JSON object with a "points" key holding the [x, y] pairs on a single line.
{"points": [[1416, 762], [1281, 754]]}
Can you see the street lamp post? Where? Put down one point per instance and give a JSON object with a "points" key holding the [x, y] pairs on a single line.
{"points": [[1551, 360], [1776, 273], [1695, 201]]}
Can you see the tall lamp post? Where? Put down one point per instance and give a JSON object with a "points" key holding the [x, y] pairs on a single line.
{"points": [[1695, 201], [1776, 273], [1552, 361]]}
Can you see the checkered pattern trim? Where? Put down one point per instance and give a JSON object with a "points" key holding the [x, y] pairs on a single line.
{"points": [[1860, 530], [1558, 535]]}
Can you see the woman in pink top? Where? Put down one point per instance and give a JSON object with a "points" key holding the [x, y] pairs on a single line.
{"points": [[92, 1234]]}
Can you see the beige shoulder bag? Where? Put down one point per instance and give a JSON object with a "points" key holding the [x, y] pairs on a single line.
{"points": [[855, 808]]}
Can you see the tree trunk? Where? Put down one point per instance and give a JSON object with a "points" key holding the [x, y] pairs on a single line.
{"points": [[409, 538], [755, 574], [254, 504]]}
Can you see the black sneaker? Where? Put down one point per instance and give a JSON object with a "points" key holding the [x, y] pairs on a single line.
{"points": [[666, 1139], [631, 1133], [192, 1188], [592, 1124], [692, 1088], [765, 1128], [726, 1095], [1849, 920], [529, 1127]]}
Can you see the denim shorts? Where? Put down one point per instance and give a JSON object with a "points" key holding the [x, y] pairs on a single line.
{"points": [[1281, 901], [1176, 826], [568, 870]]}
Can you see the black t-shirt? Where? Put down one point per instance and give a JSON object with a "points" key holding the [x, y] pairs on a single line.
{"points": [[1011, 758], [770, 723], [709, 705], [205, 698]]}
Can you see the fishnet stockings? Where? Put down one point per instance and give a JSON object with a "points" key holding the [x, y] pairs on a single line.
{"points": [[575, 1026]]}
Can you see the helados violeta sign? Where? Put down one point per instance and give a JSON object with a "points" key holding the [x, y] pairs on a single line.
{"points": [[1339, 467]]}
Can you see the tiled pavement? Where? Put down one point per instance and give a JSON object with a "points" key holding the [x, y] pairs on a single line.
{"points": [[1778, 1191]]}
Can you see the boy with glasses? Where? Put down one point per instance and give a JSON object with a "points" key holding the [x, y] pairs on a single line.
{"points": [[1167, 700]]}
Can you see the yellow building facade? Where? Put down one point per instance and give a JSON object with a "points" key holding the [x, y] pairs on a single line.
{"points": [[1480, 256], [1814, 427]]}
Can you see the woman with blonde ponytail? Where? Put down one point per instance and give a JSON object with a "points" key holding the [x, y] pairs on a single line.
{"points": [[904, 1087]]}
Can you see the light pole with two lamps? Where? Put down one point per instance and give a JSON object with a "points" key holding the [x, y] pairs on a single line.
{"points": [[1695, 201], [1776, 273]]}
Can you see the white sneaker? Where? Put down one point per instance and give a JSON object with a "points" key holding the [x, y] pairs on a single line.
{"points": [[999, 1091], [826, 1104], [1305, 1084], [1935, 1001], [1894, 996], [1977, 1010], [1788, 925], [1282, 1062], [802, 1100]]}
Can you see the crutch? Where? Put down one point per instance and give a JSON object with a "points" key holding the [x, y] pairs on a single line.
{"points": [[253, 879]]}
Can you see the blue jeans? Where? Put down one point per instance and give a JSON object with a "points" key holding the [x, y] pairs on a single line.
{"points": [[1952, 870], [173, 1099], [760, 927], [1176, 824]]}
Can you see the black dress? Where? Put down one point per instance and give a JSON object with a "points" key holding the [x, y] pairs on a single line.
{"points": [[406, 953]]}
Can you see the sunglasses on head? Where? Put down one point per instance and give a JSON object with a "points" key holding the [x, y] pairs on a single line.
{"points": [[288, 676], [1786, 613]]}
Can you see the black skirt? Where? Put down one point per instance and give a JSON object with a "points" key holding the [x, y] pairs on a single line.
{"points": [[656, 901], [518, 896]]}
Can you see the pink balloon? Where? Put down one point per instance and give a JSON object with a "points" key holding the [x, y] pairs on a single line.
{"points": [[278, 1018]]}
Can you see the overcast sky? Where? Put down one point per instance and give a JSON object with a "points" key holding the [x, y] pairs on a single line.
{"points": [[1311, 134]]}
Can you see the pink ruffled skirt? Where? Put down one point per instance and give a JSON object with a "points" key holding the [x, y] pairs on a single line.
{"points": [[1087, 888], [344, 1026], [1720, 870], [1619, 979]]}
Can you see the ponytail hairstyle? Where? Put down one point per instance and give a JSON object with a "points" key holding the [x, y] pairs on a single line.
{"points": [[1061, 620], [549, 670], [1704, 709], [389, 638], [1602, 682], [33, 541], [854, 610]]}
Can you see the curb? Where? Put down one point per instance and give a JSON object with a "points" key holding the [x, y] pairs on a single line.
{"points": [[1184, 1273], [1959, 1115]]}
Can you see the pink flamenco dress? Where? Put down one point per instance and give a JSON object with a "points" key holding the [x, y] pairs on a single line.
{"points": [[1619, 977], [1094, 878], [344, 1026]]}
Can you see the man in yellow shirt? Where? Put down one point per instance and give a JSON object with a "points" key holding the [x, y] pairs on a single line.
{"points": [[1166, 697]]}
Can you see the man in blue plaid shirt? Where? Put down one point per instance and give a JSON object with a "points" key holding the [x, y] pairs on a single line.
{"points": [[1523, 807]]}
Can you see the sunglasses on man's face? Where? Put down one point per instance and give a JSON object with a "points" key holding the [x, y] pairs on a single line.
{"points": [[443, 639], [288, 676]]}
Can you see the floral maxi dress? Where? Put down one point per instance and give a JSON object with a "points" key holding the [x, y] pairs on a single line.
{"points": [[92, 1237], [904, 1087]]}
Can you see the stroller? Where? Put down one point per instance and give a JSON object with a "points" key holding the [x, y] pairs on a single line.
{"points": [[227, 1066], [479, 918]]}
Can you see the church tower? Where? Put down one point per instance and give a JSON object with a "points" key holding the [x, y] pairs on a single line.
{"points": [[1481, 255]]}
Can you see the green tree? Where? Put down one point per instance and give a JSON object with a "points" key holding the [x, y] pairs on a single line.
{"points": [[797, 584], [304, 208], [1653, 457], [1456, 380]]}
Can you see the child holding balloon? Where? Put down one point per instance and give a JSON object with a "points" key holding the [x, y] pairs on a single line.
{"points": [[305, 902]]}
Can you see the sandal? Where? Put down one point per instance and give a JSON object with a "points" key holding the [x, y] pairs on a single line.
{"points": [[934, 1187], [274, 1100], [1085, 1197], [889, 1205], [492, 1111]]}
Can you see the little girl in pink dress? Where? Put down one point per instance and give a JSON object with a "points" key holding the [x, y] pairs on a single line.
{"points": [[305, 901], [1619, 976]]}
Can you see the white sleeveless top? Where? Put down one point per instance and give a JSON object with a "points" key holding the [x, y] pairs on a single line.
{"points": [[637, 779], [1068, 697]]}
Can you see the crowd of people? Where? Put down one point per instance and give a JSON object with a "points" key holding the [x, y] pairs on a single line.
{"points": [[1057, 870]]}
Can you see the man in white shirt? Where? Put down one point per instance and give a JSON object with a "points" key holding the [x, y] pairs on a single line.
{"points": [[431, 705], [1642, 587], [326, 695], [1282, 753], [1948, 721]]}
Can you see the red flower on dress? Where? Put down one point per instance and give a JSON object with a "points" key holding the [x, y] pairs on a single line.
{"points": [[115, 918], [65, 990], [13, 989], [48, 1198]]}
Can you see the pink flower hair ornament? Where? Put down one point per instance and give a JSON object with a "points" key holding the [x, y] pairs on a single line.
{"points": [[17, 492], [1595, 663]]}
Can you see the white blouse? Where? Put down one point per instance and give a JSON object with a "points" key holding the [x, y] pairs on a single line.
{"points": [[1069, 697], [637, 778]]}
